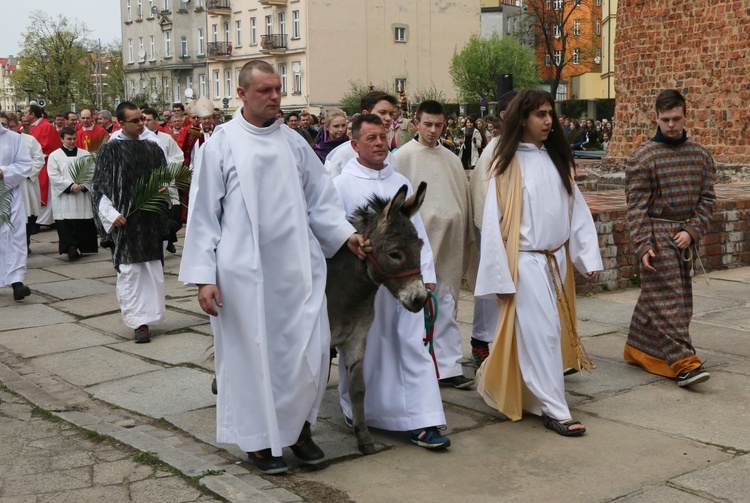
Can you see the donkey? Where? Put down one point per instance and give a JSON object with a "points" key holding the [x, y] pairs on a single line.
{"points": [[353, 283]]}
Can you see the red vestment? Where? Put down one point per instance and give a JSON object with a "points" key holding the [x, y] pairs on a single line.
{"points": [[91, 140], [48, 137]]}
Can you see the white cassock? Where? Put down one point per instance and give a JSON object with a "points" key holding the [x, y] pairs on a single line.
{"points": [[486, 311], [446, 213], [263, 217], [402, 390], [32, 196], [174, 155], [549, 219], [67, 206], [16, 163], [341, 155]]}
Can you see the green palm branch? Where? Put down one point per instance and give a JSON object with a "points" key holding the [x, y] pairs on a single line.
{"points": [[81, 170], [6, 200], [151, 192]]}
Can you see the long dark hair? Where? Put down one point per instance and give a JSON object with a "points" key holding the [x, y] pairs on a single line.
{"points": [[558, 148]]}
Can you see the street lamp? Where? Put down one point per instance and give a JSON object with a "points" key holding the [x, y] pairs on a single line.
{"points": [[28, 91]]}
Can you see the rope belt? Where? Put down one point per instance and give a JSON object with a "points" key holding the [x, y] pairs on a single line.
{"points": [[584, 360], [689, 253]]}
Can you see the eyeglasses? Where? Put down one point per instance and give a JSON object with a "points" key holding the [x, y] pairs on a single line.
{"points": [[137, 121]]}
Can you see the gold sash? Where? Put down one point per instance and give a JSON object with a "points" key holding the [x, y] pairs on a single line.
{"points": [[499, 378]]}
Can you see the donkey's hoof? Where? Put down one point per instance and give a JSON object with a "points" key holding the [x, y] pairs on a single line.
{"points": [[367, 448]]}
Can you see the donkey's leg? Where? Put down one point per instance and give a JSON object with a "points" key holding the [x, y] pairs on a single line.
{"points": [[353, 353]]}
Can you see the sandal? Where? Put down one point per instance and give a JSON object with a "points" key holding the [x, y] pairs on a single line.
{"points": [[563, 428]]}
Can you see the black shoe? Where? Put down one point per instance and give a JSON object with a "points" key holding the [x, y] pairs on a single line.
{"points": [[214, 387], [458, 382], [73, 254], [305, 449], [693, 377], [142, 334], [266, 463], [171, 248], [20, 291]]}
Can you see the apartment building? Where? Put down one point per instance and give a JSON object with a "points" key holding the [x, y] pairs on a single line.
{"points": [[9, 100], [609, 25]]}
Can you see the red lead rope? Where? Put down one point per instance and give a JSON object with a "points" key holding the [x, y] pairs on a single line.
{"points": [[383, 275]]}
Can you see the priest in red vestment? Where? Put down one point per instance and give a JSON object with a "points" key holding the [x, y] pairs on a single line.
{"points": [[48, 137], [91, 136]]}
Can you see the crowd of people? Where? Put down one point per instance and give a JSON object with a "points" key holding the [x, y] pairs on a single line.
{"points": [[270, 199]]}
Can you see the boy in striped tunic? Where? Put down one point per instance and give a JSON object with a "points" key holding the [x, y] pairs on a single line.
{"points": [[670, 191]]}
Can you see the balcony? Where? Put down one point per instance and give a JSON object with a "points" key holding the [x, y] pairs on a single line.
{"points": [[218, 7], [219, 50], [273, 43], [272, 2]]}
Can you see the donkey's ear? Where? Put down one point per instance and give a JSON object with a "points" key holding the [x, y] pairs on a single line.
{"points": [[395, 204], [412, 205]]}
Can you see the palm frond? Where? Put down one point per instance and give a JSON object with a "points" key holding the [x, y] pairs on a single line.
{"points": [[6, 200], [151, 193], [81, 169], [181, 175]]}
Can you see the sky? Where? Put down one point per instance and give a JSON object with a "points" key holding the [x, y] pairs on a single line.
{"points": [[102, 18]]}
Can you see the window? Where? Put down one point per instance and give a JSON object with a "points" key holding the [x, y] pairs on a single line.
{"points": [[295, 24], [547, 60], [577, 27], [151, 48], [238, 29], [549, 4], [139, 13], [400, 85], [150, 8], [226, 33], [183, 6], [576, 56], [152, 84], [269, 25], [509, 28], [183, 46], [165, 88], [598, 3], [282, 74], [130, 50], [217, 85], [558, 58], [177, 90], [400, 34], [127, 11], [577, 3], [297, 71], [228, 83], [201, 42], [188, 82], [202, 84], [557, 4], [141, 52], [215, 32], [282, 23], [237, 72], [166, 5], [168, 43], [253, 32], [556, 30], [598, 27]]}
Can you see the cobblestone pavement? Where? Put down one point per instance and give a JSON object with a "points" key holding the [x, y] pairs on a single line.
{"points": [[66, 350], [45, 460]]}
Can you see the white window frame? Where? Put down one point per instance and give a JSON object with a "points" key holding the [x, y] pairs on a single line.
{"points": [[283, 75], [228, 83], [399, 34], [556, 31], [558, 58], [599, 27], [178, 90], [282, 23], [557, 4], [189, 82], [215, 32], [139, 10], [576, 56], [237, 72], [130, 50], [253, 31], [150, 6], [201, 42], [577, 27], [238, 32], [269, 25], [227, 33], [549, 4], [217, 85], [166, 5], [295, 25], [547, 60], [168, 43], [141, 50], [297, 79], [202, 84], [400, 81], [128, 16], [165, 88], [184, 51], [152, 48]]}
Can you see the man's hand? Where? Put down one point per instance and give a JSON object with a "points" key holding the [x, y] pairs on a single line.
{"points": [[591, 276], [207, 296], [119, 221], [76, 188], [682, 239], [431, 287], [646, 260], [359, 246]]}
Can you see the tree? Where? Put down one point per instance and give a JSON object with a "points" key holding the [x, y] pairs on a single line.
{"points": [[52, 62], [567, 38], [475, 68], [351, 98]]}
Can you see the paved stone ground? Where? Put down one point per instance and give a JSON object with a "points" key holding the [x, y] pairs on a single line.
{"points": [[66, 350]]}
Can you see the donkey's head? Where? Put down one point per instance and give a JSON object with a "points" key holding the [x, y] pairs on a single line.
{"points": [[395, 259]]}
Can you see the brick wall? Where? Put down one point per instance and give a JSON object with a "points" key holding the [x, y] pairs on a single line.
{"points": [[697, 46], [726, 245]]}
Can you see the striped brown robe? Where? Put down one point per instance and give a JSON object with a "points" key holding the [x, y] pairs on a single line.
{"points": [[670, 188]]}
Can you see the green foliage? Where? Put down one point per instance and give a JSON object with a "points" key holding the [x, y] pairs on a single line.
{"points": [[148, 458], [351, 98], [475, 68], [430, 93], [152, 191], [81, 170], [6, 200]]}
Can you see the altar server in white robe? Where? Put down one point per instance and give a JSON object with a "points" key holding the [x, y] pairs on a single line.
{"points": [[71, 202], [15, 168], [446, 213], [402, 392], [538, 223], [263, 217]]}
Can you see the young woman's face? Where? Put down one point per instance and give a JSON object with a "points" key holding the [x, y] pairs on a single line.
{"points": [[469, 123], [336, 127], [480, 123]]}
